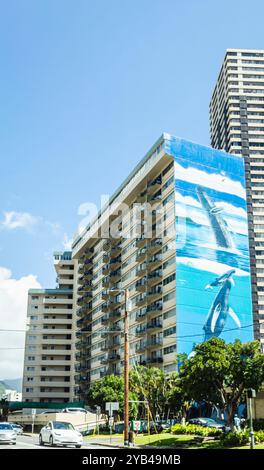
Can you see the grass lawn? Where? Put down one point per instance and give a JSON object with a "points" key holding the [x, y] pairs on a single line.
{"points": [[170, 440], [166, 439], [182, 441]]}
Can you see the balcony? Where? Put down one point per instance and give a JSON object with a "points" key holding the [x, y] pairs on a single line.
{"points": [[104, 319], [87, 274], [115, 263], [141, 285], [104, 360], [141, 254], [105, 307], [105, 294], [83, 331], [155, 277], [140, 347], [110, 331], [113, 357], [154, 245], [141, 270], [106, 281], [106, 258], [156, 198], [155, 307], [154, 325], [141, 313], [141, 330], [115, 314], [155, 360], [155, 185], [116, 250], [140, 242], [155, 261], [154, 343], [106, 269], [142, 197], [141, 300], [154, 293], [115, 275], [84, 298], [106, 245]]}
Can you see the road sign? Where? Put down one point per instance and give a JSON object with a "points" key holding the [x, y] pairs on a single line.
{"points": [[33, 411], [112, 406], [136, 425]]}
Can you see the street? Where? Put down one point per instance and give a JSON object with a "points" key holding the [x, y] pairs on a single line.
{"points": [[32, 442]]}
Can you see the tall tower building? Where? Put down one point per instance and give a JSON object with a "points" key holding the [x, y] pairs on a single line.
{"points": [[237, 126], [175, 237], [50, 339]]}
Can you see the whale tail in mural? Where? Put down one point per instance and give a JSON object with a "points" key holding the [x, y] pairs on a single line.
{"points": [[218, 224], [220, 309]]}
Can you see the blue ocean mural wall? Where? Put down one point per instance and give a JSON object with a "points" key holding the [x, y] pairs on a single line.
{"points": [[213, 285]]}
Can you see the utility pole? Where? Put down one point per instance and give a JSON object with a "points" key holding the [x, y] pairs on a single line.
{"points": [[251, 393], [115, 290], [126, 373]]}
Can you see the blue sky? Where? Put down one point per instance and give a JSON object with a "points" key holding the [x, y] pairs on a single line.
{"points": [[86, 87]]}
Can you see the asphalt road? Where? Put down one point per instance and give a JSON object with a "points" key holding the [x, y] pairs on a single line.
{"points": [[32, 442]]}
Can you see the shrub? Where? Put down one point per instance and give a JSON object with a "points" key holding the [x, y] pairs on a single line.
{"points": [[259, 436], [235, 439], [258, 424], [195, 429]]}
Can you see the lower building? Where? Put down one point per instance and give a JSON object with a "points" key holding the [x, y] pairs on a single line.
{"points": [[174, 237], [50, 342]]}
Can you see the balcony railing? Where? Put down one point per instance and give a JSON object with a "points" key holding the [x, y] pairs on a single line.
{"points": [[155, 360]]}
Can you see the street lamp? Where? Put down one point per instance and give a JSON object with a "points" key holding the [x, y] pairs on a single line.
{"points": [[114, 290]]}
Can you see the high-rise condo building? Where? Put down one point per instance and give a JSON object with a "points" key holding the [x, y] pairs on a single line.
{"points": [[174, 236], [50, 339], [237, 126]]}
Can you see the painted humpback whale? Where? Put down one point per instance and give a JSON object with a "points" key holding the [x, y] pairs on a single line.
{"points": [[220, 309], [218, 224]]}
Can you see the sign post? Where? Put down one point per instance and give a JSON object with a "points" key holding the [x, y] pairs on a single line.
{"points": [[33, 413], [111, 406]]}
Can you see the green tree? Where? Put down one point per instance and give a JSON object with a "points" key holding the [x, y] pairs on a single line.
{"points": [[153, 386], [219, 373], [111, 388], [4, 409]]}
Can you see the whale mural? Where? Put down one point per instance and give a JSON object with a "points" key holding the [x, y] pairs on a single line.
{"points": [[213, 282]]}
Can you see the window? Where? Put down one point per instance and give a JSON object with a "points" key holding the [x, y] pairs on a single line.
{"points": [[169, 331], [169, 296], [30, 369], [169, 279], [31, 358], [169, 314], [170, 349], [29, 390]]}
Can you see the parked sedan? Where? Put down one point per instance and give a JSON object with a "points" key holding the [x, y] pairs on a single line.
{"points": [[17, 428], [209, 423], [7, 434], [60, 433]]}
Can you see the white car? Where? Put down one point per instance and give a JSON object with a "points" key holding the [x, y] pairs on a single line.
{"points": [[60, 433], [74, 410], [7, 434], [17, 428]]}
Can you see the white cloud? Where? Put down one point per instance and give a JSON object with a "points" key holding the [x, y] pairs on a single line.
{"points": [[67, 242], [13, 315], [214, 181], [13, 220]]}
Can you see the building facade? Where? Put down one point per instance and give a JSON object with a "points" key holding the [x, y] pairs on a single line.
{"points": [[50, 338], [175, 237], [237, 126]]}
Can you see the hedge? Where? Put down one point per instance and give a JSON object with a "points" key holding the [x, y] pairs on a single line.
{"points": [[195, 429]]}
